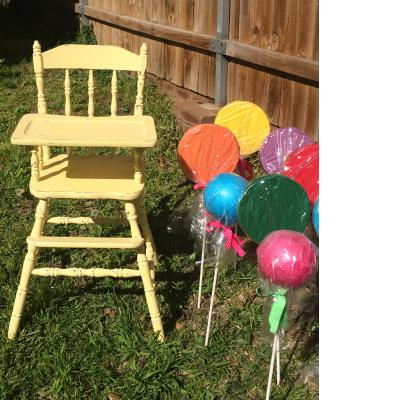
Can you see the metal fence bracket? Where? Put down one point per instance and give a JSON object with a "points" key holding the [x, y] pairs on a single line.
{"points": [[84, 18], [218, 46]]}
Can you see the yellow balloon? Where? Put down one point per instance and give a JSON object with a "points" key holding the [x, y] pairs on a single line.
{"points": [[248, 123]]}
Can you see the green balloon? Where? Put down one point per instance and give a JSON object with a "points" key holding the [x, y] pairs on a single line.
{"points": [[273, 202]]}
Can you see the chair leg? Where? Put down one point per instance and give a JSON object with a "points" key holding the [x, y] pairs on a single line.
{"points": [[20, 297], [150, 294], [29, 264], [133, 217], [151, 251], [148, 281]]}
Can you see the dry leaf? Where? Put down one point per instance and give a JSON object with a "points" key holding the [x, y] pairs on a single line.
{"points": [[113, 396], [178, 326], [109, 312]]}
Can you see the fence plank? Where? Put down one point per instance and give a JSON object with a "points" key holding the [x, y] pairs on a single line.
{"points": [[171, 19], [205, 22], [191, 65], [286, 42], [277, 34]]}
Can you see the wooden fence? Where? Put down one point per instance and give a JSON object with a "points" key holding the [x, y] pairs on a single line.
{"points": [[270, 48]]}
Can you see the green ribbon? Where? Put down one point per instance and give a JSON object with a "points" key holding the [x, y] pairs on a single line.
{"points": [[277, 316]]}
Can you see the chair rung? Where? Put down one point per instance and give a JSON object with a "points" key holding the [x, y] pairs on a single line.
{"points": [[91, 272], [87, 220], [85, 242]]}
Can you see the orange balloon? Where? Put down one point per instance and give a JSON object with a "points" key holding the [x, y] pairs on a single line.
{"points": [[207, 150]]}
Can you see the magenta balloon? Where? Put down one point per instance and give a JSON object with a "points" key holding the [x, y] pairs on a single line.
{"points": [[287, 258], [278, 145]]}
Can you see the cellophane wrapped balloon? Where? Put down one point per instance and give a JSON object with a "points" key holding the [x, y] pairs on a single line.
{"points": [[248, 122], [278, 145], [206, 150], [287, 258], [303, 167], [222, 195], [287, 263], [300, 332]]}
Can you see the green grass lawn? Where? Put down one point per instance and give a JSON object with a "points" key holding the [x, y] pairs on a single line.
{"points": [[92, 339]]}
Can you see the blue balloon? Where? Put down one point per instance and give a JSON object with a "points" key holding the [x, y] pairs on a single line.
{"points": [[222, 196], [315, 217]]}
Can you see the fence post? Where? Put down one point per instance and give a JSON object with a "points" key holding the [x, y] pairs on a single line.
{"points": [[221, 61], [84, 19]]}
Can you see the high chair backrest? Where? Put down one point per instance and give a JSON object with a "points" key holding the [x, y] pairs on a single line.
{"points": [[90, 57]]}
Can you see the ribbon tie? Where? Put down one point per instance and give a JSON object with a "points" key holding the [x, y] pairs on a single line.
{"points": [[231, 239], [278, 314], [199, 186]]}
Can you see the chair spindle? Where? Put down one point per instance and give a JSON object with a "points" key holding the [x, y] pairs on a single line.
{"points": [[114, 91], [140, 82], [91, 101], [67, 89], [41, 98]]}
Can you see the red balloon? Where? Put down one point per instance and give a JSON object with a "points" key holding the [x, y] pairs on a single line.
{"points": [[302, 165], [287, 258]]}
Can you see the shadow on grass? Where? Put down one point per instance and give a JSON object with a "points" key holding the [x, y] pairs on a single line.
{"points": [[175, 299]]}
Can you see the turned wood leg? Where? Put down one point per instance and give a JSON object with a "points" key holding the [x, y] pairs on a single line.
{"points": [[29, 264], [20, 297], [151, 252], [133, 217], [150, 294]]}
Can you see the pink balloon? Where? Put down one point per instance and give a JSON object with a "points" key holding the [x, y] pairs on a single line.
{"points": [[287, 258]]}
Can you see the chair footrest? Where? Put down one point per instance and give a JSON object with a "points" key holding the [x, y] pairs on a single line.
{"points": [[87, 220], [85, 242], [91, 272]]}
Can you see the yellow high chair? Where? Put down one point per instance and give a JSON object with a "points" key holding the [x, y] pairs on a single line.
{"points": [[73, 176]]}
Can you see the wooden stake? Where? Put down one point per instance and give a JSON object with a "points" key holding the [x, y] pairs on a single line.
{"points": [[271, 367], [278, 361], [202, 261], [212, 296]]}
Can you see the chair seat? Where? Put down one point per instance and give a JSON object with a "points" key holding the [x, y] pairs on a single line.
{"points": [[87, 177]]}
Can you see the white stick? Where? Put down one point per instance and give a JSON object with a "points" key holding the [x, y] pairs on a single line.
{"points": [[235, 262], [212, 297], [202, 261], [278, 360], [271, 368]]}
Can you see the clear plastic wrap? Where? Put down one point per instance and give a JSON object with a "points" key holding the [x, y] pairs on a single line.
{"points": [[214, 239], [273, 202], [248, 122], [287, 259], [303, 167], [207, 150], [278, 145], [197, 218]]}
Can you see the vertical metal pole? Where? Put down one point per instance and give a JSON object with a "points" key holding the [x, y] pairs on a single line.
{"points": [[221, 62], [84, 19]]}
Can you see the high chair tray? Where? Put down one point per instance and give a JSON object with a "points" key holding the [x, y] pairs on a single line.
{"points": [[61, 130]]}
